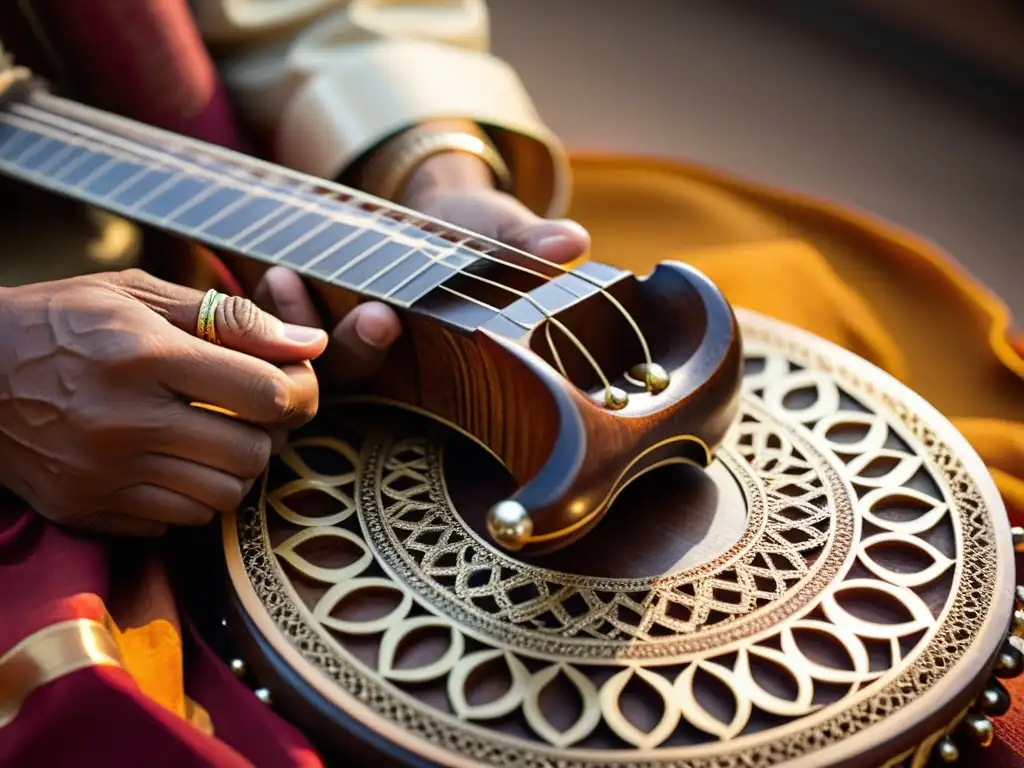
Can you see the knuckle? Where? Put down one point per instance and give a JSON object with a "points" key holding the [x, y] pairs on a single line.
{"points": [[272, 395], [254, 453], [242, 318], [93, 421], [135, 276], [201, 514], [233, 495], [306, 410]]}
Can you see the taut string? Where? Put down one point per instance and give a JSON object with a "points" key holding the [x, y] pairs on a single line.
{"points": [[123, 151], [58, 104]]}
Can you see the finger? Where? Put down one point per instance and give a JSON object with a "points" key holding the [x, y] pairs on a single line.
{"points": [[240, 325], [360, 342], [504, 218], [216, 441], [163, 505], [110, 523], [253, 390], [282, 293], [209, 487], [558, 241], [278, 440]]}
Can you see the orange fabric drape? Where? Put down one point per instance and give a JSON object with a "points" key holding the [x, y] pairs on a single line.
{"points": [[888, 296], [891, 297]]}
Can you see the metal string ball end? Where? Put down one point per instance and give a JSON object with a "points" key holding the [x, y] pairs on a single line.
{"points": [[509, 524], [653, 377], [650, 376], [615, 399]]}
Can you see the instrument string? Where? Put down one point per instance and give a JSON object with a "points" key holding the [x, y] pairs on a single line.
{"points": [[121, 150], [84, 112]]}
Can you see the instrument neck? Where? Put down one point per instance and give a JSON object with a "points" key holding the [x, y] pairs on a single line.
{"points": [[235, 203]]}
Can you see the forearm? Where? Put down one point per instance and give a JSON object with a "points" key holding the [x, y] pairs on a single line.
{"points": [[331, 88]]}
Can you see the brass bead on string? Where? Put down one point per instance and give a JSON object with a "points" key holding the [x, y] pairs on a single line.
{"points": [[237, 667], [616, 399], [653, 377], [509, 524]]}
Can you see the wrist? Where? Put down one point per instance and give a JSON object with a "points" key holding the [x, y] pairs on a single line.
{"points": [[432, 157], [445, 172]]}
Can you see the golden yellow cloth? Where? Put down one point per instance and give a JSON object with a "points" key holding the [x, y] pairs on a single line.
{"points": [[882, 293]]}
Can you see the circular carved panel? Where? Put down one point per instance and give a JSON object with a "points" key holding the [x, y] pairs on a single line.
{"points": [[838, 578]]}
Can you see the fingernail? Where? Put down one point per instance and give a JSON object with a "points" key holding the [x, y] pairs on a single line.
{"points": [[302, 334], [575, 226], [552, 241]]}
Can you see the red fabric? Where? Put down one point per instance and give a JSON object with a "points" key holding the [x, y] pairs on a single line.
{"points": [[146, 60], [101, 715], [143, 59]]}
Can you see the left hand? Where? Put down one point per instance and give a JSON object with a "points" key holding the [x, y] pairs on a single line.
{"points": [[459, 189]]}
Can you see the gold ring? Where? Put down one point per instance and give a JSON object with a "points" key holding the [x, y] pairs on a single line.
{"points": [[206, 325]]}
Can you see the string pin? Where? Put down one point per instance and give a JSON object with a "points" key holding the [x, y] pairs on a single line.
{"points": [[616, 399], [651, 376]]}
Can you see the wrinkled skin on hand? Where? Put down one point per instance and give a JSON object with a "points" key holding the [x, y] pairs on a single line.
{"points": [[455, 188], [96, 426]]}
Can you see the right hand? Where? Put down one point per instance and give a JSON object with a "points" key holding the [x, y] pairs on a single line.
{"points": [[97, 374]]}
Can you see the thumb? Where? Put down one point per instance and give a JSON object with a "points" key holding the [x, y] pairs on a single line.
{"points": [[237, 322], [560, 241]]}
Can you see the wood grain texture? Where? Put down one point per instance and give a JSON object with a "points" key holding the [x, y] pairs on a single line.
{"points": [[474, 352], [569, 454]]}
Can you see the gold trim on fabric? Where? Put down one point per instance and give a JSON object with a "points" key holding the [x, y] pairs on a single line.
{"points": [[49, 654], [198, 716]]}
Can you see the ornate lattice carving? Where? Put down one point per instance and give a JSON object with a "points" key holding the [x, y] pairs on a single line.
{"points": [[806, 632]]}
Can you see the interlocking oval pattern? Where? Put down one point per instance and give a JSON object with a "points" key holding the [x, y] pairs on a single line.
{"points": [[799, 533], [802, 573]]}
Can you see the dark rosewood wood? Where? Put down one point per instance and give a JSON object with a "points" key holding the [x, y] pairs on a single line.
{"points": [[476, 352]]}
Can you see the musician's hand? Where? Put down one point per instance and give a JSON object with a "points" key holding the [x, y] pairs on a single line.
{"points": [[456, 188], [96, 377]]}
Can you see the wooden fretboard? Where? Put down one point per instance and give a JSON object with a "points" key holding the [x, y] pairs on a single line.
{"points": [[229, 201]]}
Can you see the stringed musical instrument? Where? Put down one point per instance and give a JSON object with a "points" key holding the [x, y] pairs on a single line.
{"points": [[579, 380], [830, 585]]}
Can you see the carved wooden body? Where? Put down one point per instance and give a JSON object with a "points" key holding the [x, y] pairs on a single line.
{"points": [[479, 351], [569, 454]]}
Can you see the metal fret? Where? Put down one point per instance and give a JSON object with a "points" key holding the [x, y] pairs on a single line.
{"points": [[280, 236], [12, 139], [229, 207]]}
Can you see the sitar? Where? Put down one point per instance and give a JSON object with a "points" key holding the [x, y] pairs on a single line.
{"points": [[574, 521], [579, 380]]}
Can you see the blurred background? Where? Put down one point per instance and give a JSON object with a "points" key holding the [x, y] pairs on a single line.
{"points": [[910, 109]]}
